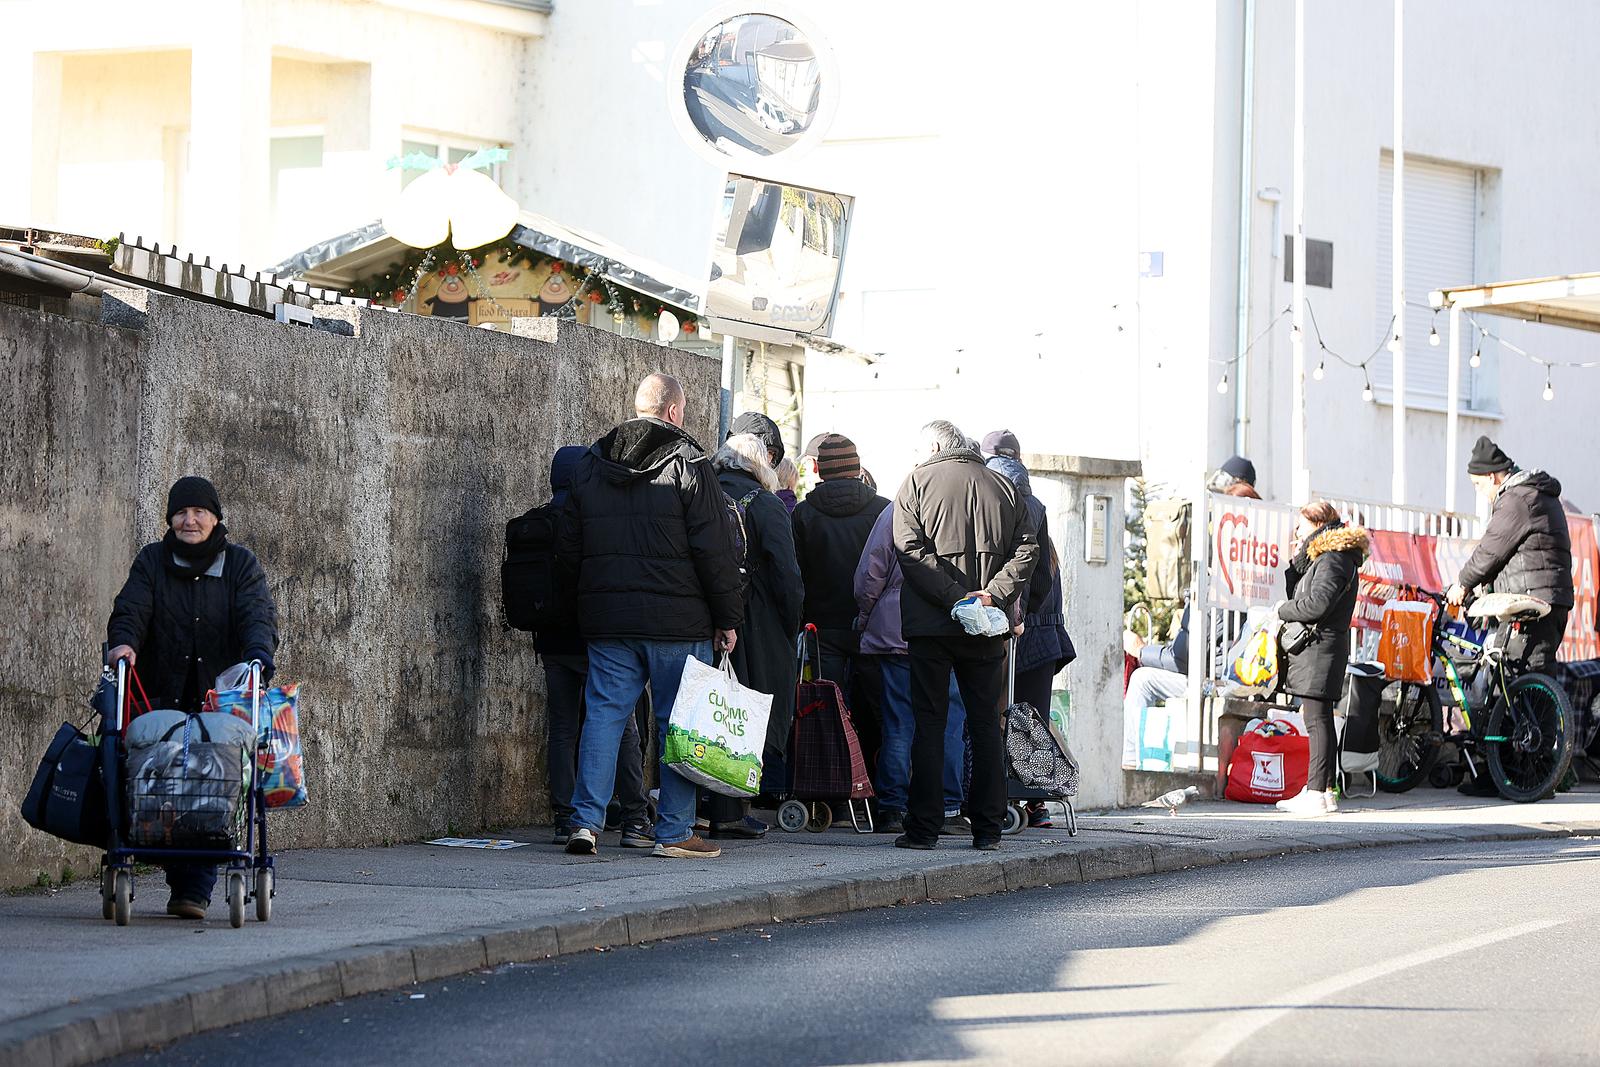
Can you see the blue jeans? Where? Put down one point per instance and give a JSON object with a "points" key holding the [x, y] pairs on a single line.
{"points": [[893, 783], [619, 668], [191, 881]]}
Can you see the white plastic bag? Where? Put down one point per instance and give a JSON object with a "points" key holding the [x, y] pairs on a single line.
{"points": [[717, 729], [978, 620]]}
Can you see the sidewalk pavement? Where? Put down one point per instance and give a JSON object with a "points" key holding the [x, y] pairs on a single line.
{"points": [[77, 988]]}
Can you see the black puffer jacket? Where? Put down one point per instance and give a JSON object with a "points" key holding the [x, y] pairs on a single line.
{"points": [[647, 533], [1322, 584], [764, 656], [958, 528], [190, 624], [1526, 547], [831, 527]]}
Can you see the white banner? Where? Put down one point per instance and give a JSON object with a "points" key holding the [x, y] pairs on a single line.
{"points": [[1249, 550]]}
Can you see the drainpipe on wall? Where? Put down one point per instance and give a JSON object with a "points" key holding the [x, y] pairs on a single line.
{"points": [[1247, 108]]}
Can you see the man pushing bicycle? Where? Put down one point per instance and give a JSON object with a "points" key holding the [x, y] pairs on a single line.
{"points": [[1525, 549]]}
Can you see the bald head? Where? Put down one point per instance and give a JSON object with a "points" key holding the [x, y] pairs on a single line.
{"points": [[660, 396]]}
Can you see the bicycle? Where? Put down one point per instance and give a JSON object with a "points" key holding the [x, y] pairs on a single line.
{"points": [[1524, 734]]}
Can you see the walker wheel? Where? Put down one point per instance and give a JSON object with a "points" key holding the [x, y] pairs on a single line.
{"points": [[108, 893], [821, 817], [1016, 819], [236, 899], [792, 816], [123, 894], [264, 894]]}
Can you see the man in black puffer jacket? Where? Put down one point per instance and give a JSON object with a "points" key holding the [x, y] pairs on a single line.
{"points": [[831, 527], [649, 537], [1526, 547]]}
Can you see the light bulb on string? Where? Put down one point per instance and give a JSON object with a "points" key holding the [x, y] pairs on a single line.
{"points": [[1222, 386], [1317, 374], [1366, 388], [1549, 388], [1477, 358], [1394, 343], [1433, 336]]}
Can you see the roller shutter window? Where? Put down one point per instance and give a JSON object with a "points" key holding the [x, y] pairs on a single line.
{"points": [[1441, 204]]}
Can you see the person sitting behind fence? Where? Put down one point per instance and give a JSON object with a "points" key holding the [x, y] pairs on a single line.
{"points": [[1162, 675], [193, 606], [1236, 477]]}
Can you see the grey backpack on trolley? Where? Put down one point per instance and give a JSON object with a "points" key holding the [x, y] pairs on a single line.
{"points": [[186, 780]]}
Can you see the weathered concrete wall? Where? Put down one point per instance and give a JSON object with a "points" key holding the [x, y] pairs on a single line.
{"points": [[371, 464]]}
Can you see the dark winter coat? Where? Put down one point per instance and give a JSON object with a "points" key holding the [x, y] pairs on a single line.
{"points": [[959, 528], [764, 656], [562, 465], [1044, 636], [831, 527], [878, 583], [188, 624], [1322, 594], [1526, 547], [648, 536]]}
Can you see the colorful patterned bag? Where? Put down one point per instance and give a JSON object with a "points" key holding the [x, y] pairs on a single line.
{"points": [[279, 760]]}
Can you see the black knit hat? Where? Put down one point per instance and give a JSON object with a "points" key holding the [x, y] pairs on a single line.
{"points": [[1488, 458], [764, 428], [192, 491], [1240, 469]]}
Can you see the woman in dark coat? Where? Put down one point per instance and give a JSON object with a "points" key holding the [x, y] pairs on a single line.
{"points": [[764, 656], [1321, 580], [193, 606]]}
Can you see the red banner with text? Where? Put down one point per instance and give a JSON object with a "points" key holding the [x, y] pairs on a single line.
{"points": [[1581, 641]]}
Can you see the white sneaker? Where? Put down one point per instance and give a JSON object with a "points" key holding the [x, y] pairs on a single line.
{"points": [[582, 843], [1306, 802]]}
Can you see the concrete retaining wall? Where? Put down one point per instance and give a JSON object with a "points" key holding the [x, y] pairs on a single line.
{"points": [[371, 463]]}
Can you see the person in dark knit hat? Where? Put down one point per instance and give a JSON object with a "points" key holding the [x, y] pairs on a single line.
{"points": [[1526, 547], [194, 605], [831, 527], [1235, 471]]}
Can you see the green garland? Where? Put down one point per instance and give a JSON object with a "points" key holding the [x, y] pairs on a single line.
{"points": [[392, 285]]}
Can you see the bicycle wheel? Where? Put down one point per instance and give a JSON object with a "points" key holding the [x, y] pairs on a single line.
{"points": [[1408, 740], [1528, 740]]}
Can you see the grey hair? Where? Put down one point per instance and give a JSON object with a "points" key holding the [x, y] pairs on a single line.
{"points": [[946, 435], [746, 452]]}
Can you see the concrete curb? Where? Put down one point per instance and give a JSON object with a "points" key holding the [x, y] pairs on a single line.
{"points": [[115, 1025]]}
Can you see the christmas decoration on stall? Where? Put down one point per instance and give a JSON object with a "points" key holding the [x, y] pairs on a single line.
{"points": [[511, 281]]}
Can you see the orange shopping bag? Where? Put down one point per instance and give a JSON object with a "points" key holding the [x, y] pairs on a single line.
{"points": [[1406, 643]]}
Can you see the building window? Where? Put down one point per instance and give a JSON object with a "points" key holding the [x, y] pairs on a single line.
{"points": [[1441, 209], [449, 149]]}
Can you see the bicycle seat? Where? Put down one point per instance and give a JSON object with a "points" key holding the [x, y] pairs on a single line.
{"points": [[1508, 607]]}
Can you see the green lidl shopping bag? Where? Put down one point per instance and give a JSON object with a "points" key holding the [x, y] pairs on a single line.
{"points": [[717, 730]]}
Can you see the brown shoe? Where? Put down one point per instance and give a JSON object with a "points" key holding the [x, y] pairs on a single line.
{"points": [[186, 909], [693, 848]]}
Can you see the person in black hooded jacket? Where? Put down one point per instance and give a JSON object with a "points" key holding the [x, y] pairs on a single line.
{"points": [[831, 528], [566, 666], [647, 533], [193, 606], [1526, 548]]}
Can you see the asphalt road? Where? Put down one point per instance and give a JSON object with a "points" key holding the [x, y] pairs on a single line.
{"points": [[1396, 955]]}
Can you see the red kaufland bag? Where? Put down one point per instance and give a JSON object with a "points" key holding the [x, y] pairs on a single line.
{"points": [[1270, 764]]}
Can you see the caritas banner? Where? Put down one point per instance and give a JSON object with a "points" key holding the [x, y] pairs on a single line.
{"points": [[1249, 551], [1400, 562], [1581, 641]]}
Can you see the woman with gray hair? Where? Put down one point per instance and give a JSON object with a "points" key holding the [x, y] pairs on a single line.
{"points": [[764, 654]]}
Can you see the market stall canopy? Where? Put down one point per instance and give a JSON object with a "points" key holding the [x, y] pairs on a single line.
{"points": [[339, 262], [1568, 300]]}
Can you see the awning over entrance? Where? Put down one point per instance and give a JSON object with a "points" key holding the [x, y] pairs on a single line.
{"points": [[1571, 300], [339, 262]]}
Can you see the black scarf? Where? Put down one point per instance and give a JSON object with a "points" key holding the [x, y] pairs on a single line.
{"points": [[198, 556]]}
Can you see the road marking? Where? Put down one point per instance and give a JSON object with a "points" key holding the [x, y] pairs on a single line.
{"points": [[1212, 1046]]}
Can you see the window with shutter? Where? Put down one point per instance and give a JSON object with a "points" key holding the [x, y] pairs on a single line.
{"points": [[1441, 205]]}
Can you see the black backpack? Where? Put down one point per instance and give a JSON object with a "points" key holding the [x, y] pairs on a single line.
{"points": [[530, 589]]}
